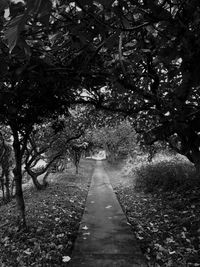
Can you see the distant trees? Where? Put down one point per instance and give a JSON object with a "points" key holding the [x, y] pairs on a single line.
{"points": [[53, 141], [39, 143], [117, 140]]}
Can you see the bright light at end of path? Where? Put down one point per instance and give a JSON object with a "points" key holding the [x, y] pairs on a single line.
{"points": [[101, 155]]}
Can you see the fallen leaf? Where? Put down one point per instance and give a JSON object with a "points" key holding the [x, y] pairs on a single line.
{"points": [[85, 227], [27, 251], [172, 252], [183, 235], [66, 259], [88, 233]]}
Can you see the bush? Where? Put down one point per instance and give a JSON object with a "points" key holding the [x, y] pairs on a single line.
{"points": [[165, 174]]}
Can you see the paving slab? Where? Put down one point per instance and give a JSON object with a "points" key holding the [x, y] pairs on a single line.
{"points": [[105, 239]]}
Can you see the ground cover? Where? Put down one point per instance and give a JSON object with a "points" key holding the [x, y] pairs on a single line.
{"points": [[162, 204], [53, 217]]}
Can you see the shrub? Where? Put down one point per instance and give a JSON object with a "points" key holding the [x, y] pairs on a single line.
{"points": [[166, 173]]}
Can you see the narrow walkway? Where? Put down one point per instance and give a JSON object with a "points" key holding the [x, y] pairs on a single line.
{"points": [[105, 239]]}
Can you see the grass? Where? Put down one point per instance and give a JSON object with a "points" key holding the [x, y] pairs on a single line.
{"points": [[53, 217], [161, 200]]}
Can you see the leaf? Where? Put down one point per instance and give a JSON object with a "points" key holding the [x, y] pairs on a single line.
{"points": [[54, 37], [146, 50], [60, 235], [5, 239], [108, 207], [66, 259], [139, 237], [14, 29], [183, 235], [170, 240], [85, 228], [39, 229], [87, 233], [27, 251]]}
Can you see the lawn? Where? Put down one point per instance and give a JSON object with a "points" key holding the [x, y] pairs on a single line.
{"points": [[53, 217]]}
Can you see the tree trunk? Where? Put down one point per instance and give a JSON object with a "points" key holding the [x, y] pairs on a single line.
{"points": [[37, 185], [34, 177], [45, 178], [197, 167], [7, 185], [196, 160], [77, 168], [111, 157], [2, 188], [17, 171], [76, 159], [12, 187], [19, 194]]}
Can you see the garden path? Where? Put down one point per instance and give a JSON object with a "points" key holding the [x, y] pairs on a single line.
{"points": [[105, 238]]}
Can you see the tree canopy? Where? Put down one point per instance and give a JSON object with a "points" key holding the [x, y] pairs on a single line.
{"points": [[140, 57]]}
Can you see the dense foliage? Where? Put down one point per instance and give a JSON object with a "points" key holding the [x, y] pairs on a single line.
{"points": [[117, 140]]}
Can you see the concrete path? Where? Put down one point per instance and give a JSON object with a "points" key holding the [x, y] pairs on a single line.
{"points": [[105, 239]]}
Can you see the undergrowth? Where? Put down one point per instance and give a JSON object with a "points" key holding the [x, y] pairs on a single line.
{"points": [[165, 175]]}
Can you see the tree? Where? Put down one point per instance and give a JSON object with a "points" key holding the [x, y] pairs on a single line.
{"points": [[40, 141], [75, 151], [24, 103], [71, 140]]}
